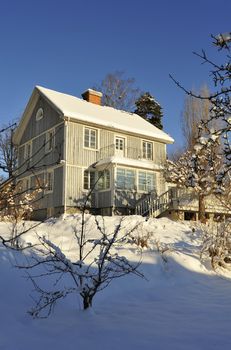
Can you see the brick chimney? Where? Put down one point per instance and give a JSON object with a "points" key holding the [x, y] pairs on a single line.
{"points": [[92, 96]]}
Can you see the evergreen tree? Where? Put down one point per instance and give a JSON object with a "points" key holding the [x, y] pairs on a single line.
{"points": [[149, 109]]}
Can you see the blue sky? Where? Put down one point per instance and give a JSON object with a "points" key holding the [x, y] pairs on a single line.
{"points": [[71, 45]]}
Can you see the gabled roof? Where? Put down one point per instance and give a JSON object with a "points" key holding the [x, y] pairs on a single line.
{"points": [[78, 109]]}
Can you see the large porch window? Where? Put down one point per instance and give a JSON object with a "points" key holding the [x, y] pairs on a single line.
{"points": [[146, 181], [125, 179]]}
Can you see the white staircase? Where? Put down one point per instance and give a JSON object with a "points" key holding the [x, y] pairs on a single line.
{"points": [[153, 205]]}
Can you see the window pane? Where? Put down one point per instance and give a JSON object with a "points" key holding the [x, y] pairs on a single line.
{"points": [[49, 181], [88, 179], [107, 179], [90, 138], [146, 181], [125, 179], [147, 150], [104, 180], [150, 182], [130, 179], [142, 181], [85, 180], [100, 180], [92, 179], [120, 177]]}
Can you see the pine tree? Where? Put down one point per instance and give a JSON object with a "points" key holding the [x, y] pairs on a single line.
{"points": [[149, 109]]}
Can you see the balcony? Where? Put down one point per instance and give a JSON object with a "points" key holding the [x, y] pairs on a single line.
{"points": [[127, 152]]}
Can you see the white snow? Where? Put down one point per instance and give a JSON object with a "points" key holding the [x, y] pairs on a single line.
{"points": [[182, 303], [79, 109], [140, 163]]}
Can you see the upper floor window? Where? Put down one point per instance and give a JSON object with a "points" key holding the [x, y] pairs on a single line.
{"points": [[146, 181], [147, 150], [39, 114], [50, 140], [90, 138], [88, 180], [28, 150], [125, 179], [103, 180]]}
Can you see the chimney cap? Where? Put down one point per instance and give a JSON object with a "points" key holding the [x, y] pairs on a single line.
{"points": [[92, 92]]}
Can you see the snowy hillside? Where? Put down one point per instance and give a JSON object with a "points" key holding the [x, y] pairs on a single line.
{"points": [[180, 304]]}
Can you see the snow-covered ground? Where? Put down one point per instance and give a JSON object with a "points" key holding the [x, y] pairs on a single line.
{"points": [[181, 303]]}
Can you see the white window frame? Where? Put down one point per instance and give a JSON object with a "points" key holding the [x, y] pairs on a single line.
{"points": [[90, 186], [126, 170], [117, 136], [49, 140], [91, 130], [146, 189], [49, 175], [104, 179], [144, 151], [27, 155], [39, 114]]}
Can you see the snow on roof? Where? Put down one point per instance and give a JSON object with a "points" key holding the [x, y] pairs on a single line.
{"points": [[82, 110]]}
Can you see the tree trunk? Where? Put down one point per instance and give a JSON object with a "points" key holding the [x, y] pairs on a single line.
{"points": [[87, 301], [201, 214]]}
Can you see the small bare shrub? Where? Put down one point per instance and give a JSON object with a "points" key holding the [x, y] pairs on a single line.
{"points": [[217, 245]]}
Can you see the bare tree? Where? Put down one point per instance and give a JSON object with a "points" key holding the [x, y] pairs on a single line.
{"points": [[118, 91], [194, 112], [220, 106], [8, 151], [98, 262], [217, 244]]}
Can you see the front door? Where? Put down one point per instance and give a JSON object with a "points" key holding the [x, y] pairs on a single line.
{"points": [[120, 146]]}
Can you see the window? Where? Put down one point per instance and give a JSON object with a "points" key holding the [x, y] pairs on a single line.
{"points": [[147, 150], [50, 140], [49, 180], [90, 138], [39, 114], [103, 180], [125, 179], [88, 180], [28, 151], [120, 145], [146, 181], [27, 184]]}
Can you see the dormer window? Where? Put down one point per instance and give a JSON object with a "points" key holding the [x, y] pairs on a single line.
{"points": [[39, 114]]}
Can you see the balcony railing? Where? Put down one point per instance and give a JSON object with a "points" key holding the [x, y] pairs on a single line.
{"points": [[127, 152]]}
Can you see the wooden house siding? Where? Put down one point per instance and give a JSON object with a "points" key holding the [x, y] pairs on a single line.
{"points": [[77, 154], [74, 186], [50, 199], [39, 156], [50, 118]]}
